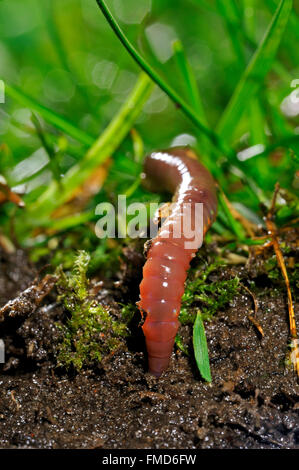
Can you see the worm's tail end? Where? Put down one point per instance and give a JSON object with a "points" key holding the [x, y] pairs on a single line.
{"points": [[158, 356], [160, 338]]}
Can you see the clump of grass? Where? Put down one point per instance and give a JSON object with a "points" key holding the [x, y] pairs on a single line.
{"points": [[90, 332], [206, 295]]}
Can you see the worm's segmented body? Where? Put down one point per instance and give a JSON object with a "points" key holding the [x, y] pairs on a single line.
{"points": [[176, 171]]}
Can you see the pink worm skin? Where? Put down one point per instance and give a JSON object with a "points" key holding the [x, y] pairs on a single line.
{"points": [[176, 171]]}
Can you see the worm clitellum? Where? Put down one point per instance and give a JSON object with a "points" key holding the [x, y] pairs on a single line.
{"points": [[178, 172]]}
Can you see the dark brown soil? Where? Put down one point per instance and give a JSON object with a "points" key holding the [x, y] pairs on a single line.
{"points": [[253, 401]]}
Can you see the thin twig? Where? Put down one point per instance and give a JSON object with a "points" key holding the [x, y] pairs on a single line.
{"points": [[253, 318], [272, 230], [12, 394]]}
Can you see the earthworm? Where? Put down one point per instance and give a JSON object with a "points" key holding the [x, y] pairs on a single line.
{"points": [[176, 171]]}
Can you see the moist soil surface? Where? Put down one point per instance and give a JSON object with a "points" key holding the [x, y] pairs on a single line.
{"points": [[252, 402]]}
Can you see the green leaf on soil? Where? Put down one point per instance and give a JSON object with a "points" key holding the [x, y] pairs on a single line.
{"points": [[201, 349]]}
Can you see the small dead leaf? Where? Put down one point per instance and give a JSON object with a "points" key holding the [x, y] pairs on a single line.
{"points": [[7, 195]]}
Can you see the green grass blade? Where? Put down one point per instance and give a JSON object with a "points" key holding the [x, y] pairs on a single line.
{"points": [[55, 37], [294, 20], [189, 80], [50, 116], [201, 349], [249, 23], [195, 100], [138, 146], [69, 222], [235, 226], [49, 148], [191, 88], [255, 72], [122, 123], [229, 12]]}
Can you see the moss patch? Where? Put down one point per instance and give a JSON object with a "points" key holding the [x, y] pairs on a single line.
{"points": [[204, 294], [90, 332]]}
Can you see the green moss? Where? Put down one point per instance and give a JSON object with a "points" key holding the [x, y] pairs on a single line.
{"points": [[128, 312], [204, 294], [289, 210], [90, 332], [180, 344], [274, 271]]}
